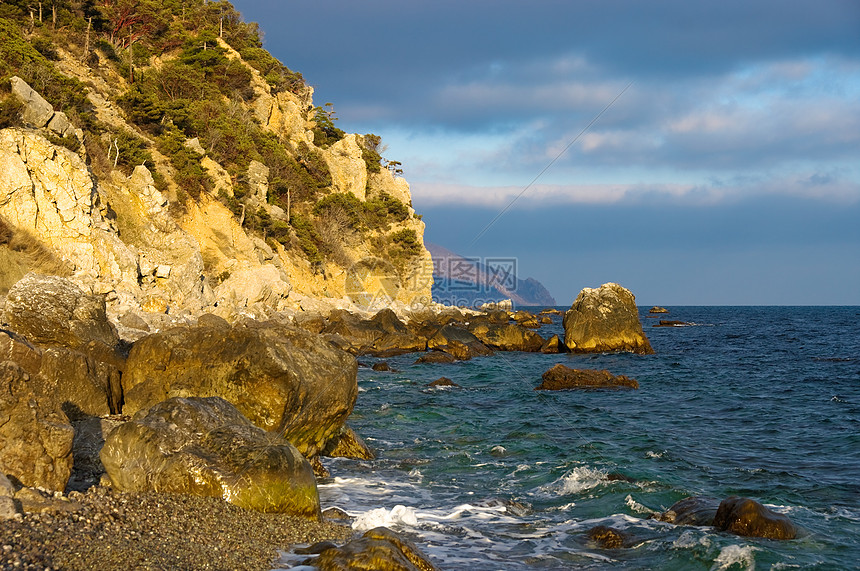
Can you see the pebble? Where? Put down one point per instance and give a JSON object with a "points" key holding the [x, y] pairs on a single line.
{"points": [[118, 531]]}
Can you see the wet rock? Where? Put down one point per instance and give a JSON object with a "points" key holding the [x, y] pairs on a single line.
{"points": [[743, 516], [609, 538], [695, 510], [671, 323], [206, 447], [347, 444], [282, 378], [658, 309], [443, 382], [382, 366], [379, 549], [35, 434], [335, 514], [561, 377], [436, 357], [605, 319]]}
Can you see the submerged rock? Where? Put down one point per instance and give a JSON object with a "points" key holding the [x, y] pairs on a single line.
{"points": [[281, 378], [609, 538], [605, 319], [206, 447], [561, 377], [442, 382], [379, 549], [743, 516], [695, 510]]}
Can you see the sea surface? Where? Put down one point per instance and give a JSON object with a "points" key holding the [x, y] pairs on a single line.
{"points": [[762, 402]]}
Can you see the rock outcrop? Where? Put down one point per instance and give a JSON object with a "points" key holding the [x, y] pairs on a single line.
{"points": [[282, 378], [506, 336], [561, 377], [204, 446], [743, 516], [35, 435], [605, 319], [380, 548]]}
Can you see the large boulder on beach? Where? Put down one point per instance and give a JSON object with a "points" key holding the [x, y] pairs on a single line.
{"points": [[206, 447], [561, 377], [605, 319], [52, 310], [35, 435], [747, 517], [280, 377], [379, 548], [78, 384]]}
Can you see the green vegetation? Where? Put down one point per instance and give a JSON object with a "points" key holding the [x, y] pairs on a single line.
{"points": [[180, 81]]}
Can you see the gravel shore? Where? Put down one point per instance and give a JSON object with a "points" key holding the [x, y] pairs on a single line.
{"points": [[106, 530]]}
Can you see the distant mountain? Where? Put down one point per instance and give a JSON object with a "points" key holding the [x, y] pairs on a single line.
{"points": [[464, 281]]}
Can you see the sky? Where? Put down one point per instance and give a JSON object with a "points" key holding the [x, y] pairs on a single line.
{"points": [[698, 153]]}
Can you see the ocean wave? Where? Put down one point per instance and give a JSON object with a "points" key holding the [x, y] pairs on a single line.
{"points": [[399, 515], [732, 555], [636, 506], [578, 480]]}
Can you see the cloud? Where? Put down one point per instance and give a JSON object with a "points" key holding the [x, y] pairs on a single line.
{"points": [[829, 187]]}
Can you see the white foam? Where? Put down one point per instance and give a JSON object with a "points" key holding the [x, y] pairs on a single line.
{"points": [[636, 506], [580, 479], [652, 454], [399, 515], [743, 555], [688, 539]]}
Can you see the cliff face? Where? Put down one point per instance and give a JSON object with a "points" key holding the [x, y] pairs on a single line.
{"points": [[123, 235]]}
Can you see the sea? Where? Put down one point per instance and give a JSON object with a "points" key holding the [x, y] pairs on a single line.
{"points": [[761, 402]]}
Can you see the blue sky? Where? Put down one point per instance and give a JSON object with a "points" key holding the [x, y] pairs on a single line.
{"points": [[727, 170]]}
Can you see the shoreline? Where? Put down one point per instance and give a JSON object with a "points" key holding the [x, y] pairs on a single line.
{"points": [[109, 530]]}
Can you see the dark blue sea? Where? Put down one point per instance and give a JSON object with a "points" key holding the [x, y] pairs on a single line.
{"points": [[762, 402]]}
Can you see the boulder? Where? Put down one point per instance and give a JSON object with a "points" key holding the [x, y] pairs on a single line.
{"points": [[506, 336], [658, 309], [436, 357], [743, 516], [204, 446], [51, 310], [695, 510], [605, 319], [553, 345], [609, 538], [384, 335], [347, 444], [561, 377], [35, 436], [458, 341], [37, 112], [280, 377], [380, 549], [442, 382]]}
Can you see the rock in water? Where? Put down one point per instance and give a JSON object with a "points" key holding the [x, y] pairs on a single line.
{"points": [[204, 446], [380, 549], [743, 516], [605, 319], [35, 436], [560, 377], [695, 510], [280, 377]]}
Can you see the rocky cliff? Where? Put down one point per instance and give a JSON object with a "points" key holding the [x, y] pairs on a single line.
{"points": [[236, 237]]}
